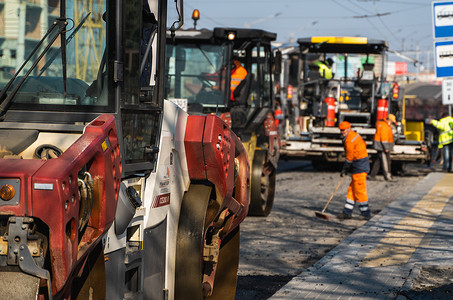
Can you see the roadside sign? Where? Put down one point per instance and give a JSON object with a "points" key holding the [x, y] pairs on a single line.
{"points": [[443, 19], [444, 58], [447, 91]]}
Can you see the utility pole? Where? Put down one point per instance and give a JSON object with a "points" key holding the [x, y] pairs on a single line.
{"points": [[417, 57]]}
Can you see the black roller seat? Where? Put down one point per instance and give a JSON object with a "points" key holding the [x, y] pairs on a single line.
{"points": [[239, 106], [242, 91]]}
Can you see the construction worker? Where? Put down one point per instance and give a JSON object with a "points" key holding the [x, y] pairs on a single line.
{"points": [[383, 143], [325, 68], [445, 127], [278, 114], [237, 75], [278, 117], [356, 163]]}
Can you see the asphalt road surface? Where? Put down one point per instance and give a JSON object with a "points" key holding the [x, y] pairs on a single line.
{"points": [[276, 248]]}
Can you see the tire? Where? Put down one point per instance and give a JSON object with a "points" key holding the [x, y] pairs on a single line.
{"points": [[197, 212], [262, 189]]}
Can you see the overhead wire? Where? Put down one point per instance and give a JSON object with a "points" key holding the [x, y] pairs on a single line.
{"points": [[358, 6], [377, 14], [368, 17], [385, 25], [215, 21], [357, 13], [343, 6]]}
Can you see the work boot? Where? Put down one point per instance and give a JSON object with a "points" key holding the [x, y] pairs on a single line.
{"points": [[364, 217], [344, 216], [371, 178], [390, 178]]}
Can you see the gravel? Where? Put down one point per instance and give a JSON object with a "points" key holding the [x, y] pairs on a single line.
{"points": [[276, 248]]}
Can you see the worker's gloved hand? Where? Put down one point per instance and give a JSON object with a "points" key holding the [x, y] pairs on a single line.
{"points": [[343, 173]]}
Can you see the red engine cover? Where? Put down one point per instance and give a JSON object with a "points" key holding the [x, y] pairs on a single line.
{"points": [[211, 149], [49, 192]]}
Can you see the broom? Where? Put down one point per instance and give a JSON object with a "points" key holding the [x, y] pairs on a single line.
{"points": [[321, 214]]}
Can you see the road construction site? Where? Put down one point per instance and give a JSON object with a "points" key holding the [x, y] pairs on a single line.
{"points": [[292, 254], [133, 147]]}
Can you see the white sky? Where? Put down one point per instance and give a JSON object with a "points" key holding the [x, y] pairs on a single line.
{"points": [[404, 24]]}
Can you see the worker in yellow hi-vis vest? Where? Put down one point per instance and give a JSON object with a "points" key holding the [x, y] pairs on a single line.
{"points": [[445, 127], [325, 68]]}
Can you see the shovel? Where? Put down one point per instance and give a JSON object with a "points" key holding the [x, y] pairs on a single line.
{"points": [[321, 214]]}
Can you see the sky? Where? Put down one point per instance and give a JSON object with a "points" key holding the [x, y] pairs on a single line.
{"points": [[405, 24]]}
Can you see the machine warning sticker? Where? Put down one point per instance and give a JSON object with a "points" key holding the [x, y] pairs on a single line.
{"points": [[105, 145], [161, 200], [164, 183]]}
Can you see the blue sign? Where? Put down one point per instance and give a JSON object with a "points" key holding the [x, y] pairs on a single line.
{"points": [[443, 19], [443, 52]]}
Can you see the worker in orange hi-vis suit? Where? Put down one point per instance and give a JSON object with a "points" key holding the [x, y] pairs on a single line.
{"points": [[383, 143], [237, 75], [278, 114], [358, 164], [279, 118]]}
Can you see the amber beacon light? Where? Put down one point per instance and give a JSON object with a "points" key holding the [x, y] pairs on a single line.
{"points": [[7, 192], [195, 17]]}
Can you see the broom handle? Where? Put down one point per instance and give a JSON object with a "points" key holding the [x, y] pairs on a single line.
{"points": [[336, 189]]}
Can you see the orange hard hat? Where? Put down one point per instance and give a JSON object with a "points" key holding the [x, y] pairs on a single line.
{"points": [[392, 118], [344, 125]]}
